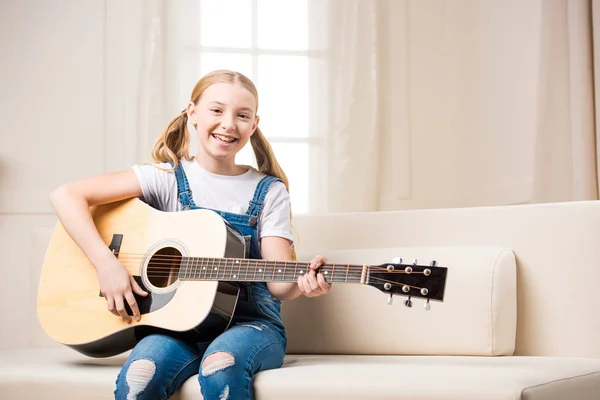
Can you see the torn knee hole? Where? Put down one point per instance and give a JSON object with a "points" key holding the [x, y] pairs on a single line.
{"points": [[216, 362], [139, 374]]}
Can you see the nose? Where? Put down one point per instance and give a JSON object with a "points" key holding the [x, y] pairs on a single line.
{"points": [[228, 122]]}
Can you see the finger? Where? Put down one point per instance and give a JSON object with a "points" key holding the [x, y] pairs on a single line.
{"points": [[137, 288], [119, 305], [133, 304], [307, 290], [110, 304], [317, 262], [312, 281], [325, 287], [301, 285]]}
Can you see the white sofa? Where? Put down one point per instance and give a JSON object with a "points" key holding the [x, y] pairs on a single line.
{"points": [[519, 318]]}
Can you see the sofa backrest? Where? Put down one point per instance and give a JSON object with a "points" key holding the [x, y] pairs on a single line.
{"points": [[478, 314], [557, 252]]}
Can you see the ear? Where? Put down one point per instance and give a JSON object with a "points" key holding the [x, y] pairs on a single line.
{"points": [[255, 125], [191, 113]]}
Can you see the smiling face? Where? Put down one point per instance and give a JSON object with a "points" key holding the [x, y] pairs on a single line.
{"points": [[225, 118]]}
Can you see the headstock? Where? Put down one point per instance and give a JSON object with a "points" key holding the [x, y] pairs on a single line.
{"points": [[410, 280]]}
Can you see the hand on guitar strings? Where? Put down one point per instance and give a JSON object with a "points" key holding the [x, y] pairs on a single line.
{"points": [[117, 286], [313, 284]]}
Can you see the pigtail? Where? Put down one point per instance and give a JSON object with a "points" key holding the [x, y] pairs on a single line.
{"points": [[173, 142], [267, 163]]}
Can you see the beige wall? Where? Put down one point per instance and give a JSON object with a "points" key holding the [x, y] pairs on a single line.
{"points": [[52, 105]]}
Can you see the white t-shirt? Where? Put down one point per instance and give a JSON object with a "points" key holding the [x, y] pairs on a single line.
{"points": [[218, 192]]}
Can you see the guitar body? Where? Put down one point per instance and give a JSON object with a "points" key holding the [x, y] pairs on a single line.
{"points": [[73, 312]]}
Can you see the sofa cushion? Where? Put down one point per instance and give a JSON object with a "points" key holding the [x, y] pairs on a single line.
{"points": [[477, 316], [62, 373]]}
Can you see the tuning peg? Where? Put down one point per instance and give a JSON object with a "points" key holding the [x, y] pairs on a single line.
{"points": [[414, 261], [433, 263], [408, 302], [396, 260], [390, 299], [427, 305]]}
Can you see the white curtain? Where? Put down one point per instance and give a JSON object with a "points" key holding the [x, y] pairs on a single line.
{"points": [[144, 46], [355, 134], [460, 103], [565, 152]]}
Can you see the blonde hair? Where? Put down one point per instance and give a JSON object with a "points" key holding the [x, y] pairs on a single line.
{"points": [[173, 142]]}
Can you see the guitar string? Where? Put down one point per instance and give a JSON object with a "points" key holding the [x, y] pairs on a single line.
{"points": [[197, 261], [274, 280], [241, 269]]}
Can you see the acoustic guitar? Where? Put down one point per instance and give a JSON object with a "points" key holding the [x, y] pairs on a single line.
{"points": [[190, 263]]}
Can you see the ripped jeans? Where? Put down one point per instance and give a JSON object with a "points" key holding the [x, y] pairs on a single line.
{"points": [[160, 364]]}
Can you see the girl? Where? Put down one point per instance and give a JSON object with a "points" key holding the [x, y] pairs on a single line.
{"points": [[223, 110]]}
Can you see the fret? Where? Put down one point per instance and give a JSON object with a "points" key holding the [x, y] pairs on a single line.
{"points": [[212, 269], [205, 268], [227, 274], [273, 266], [280, 271], [235, 270], [304, 268], [217, 268], [267, 271], [275, 271], [257, 272], [195, 262], [184, 262], [199, 270], [247, 277], [296, 271], [220, 274], [223, 269], [190, 267], [183, 272]]}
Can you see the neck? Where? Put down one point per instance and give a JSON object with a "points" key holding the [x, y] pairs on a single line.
{"points": [[218, 167], [250, 270]]}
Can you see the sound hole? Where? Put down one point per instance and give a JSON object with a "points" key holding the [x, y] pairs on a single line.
{"points": [[163, 267]]}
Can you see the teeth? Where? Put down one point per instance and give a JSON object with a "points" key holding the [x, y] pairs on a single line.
{"points": [[225, 138]]}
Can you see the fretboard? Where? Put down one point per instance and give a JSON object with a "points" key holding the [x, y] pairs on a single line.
{"points": [[249, 270]]}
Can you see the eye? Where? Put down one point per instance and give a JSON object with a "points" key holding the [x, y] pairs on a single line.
{"points": [[215, 110], [245, 116]]}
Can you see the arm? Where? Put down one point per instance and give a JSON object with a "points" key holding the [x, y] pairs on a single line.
{"points": [[71, 203], [311, 284]]}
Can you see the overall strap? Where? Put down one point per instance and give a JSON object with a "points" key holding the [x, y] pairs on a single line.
{"points": [[184, 192], [256, 204]]}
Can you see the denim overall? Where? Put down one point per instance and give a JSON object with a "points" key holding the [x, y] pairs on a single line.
{"points": [[256, 337]]}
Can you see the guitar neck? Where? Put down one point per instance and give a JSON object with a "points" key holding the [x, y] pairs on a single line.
{"points": [[249, 270]]}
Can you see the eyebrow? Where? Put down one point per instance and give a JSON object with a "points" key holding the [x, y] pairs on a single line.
{"points": [[241, 109]]}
